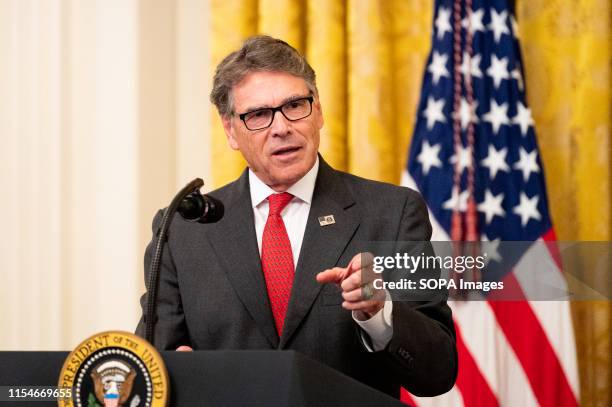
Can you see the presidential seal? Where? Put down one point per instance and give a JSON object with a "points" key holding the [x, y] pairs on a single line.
{"points": [[115, 369]]}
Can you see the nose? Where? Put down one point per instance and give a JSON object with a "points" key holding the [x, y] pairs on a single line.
{"points": [[280, 125]]}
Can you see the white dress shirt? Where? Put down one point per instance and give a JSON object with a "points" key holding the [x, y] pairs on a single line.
{"points": [[295, 215]]}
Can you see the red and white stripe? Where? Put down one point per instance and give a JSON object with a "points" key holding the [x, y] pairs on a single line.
{"points": [[512, 353]]}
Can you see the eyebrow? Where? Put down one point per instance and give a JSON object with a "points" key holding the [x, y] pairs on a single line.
{"points": [[285, 100]]}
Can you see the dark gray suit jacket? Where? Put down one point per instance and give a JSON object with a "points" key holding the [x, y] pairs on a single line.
{"points": [[212, 292]]}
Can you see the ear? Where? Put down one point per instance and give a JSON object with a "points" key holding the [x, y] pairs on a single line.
{"points": [[229, 131], [316, 105]]}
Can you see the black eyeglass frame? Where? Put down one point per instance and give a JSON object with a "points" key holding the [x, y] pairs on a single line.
{"points": [[309, 98]]}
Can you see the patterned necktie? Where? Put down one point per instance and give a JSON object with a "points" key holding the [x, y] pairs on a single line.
{"points": [[277, 259]]}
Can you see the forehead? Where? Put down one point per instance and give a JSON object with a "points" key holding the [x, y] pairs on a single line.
{"points": [[266, 89]]}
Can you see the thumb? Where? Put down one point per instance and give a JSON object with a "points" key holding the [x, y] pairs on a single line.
{"points": [[360, 261], [184, 348], [354, 265]]}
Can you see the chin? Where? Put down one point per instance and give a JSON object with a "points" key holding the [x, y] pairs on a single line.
{"points": [[287, 174], [286, 178]]}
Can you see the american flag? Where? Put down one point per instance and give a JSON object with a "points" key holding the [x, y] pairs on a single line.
{"points": [[474, 145]]}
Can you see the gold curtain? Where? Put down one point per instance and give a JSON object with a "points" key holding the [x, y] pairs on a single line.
{"points": [[566, 53], [369, 56]]}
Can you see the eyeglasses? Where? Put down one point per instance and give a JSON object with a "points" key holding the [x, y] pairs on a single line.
{"points": [[293, 110]]}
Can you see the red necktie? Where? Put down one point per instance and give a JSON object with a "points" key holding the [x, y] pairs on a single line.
{"points": [[277, 259]]}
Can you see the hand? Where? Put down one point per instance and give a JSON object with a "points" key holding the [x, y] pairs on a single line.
{"points": [[184, 348], [352, 280]]}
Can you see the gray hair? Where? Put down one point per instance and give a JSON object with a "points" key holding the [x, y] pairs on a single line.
{"points": [[258, 53]]}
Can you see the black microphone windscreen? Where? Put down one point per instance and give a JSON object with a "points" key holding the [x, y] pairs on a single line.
{"points": [[201, 208], [215, 210]]}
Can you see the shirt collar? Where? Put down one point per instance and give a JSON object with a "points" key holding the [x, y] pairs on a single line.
{"points": [[303, 189]]}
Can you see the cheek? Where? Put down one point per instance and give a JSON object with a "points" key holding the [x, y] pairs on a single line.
{"points": [[314, 138], [256, 149]]}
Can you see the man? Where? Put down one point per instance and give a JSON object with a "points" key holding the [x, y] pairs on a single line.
{"points": [[282, 269]]}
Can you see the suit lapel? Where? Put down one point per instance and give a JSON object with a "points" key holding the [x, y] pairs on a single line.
{"points": [[322, 245], [235, 244]]}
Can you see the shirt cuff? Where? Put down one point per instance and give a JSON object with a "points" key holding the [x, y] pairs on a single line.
{"points": [[379, 327]]}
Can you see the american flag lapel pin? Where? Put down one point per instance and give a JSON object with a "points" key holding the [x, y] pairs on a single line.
{"points": [[326, 220]]}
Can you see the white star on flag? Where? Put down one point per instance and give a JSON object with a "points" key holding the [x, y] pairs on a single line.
{"points": [[491, 249], [475, 22], [515, 27], [464, 160], [492, 205], [527, 163], [467, 114], [437, 67], [498, 70], [496, 161], [433, 112], [443, 22], [527, 209], [523, 118], [516, 74], [457, 201], [471, 65], [497, 116], [498, 24], [428, 157]]}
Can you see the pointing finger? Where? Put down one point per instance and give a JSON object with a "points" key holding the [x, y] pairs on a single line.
{"points": [[334, 275]]}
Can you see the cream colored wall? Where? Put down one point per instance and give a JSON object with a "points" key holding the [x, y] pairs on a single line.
{"points": [[103, 116]]}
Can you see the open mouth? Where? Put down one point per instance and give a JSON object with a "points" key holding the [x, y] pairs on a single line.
{"points": [[286, 151]]}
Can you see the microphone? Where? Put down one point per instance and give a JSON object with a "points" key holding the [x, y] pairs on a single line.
{"points": [[192, 206], [196, 207]]}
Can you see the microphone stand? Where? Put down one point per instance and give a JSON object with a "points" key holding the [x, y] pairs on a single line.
{"points": [[162, 234]]}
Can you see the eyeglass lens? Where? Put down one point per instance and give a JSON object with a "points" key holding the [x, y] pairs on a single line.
{"points": [[293, 110]]}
